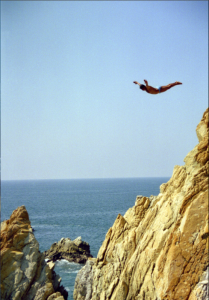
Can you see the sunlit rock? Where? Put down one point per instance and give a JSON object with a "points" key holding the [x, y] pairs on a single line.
{"points": [[159, 249]]}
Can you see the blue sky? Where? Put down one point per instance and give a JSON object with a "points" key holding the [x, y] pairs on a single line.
{"points": [[69, 107]]}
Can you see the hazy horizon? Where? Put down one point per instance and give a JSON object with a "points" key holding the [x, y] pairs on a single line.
{"points": [[106, 178]]}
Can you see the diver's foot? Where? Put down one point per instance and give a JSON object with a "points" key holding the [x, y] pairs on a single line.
{"points": [[177, 82]]}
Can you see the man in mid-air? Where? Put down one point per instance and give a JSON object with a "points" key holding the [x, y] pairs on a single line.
{"points": [[151, 90]]}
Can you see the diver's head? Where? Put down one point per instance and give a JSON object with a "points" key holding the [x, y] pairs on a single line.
{"points": [[143, 87]]}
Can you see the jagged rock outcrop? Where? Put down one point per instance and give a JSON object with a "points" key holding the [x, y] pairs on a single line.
{"points": [[74, 251], [24, 272], [159, 249], [84, 279]]}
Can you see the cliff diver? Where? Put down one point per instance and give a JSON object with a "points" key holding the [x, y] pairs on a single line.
{"points": [[151, 90]]}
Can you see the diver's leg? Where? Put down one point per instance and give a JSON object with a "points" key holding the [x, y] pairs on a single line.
{"points": [[167, 87]]}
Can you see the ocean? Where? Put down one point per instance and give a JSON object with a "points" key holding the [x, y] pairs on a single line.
{"points": [[72, 208]]}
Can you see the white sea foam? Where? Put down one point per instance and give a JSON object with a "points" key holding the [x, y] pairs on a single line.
{"points": [[70, 271], [75, 271], [64, 262]]}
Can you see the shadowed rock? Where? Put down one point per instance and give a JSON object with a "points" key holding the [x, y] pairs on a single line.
{"points": [[74, 251]]}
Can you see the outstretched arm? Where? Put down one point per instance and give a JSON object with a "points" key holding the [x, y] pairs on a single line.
{"points": [[146, 82], [137, 83]]}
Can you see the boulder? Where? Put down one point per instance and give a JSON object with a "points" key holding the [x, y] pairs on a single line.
{"points": [[24, 272], [74, 251]]}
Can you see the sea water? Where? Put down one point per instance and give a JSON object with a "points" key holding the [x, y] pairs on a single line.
{"points": [[72, 208]]}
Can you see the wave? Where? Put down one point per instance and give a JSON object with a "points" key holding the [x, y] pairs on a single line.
{"points": [[66, 267], [70, 271], [63, 262]]}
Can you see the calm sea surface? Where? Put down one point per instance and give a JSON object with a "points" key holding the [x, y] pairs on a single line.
{"points": [[72, 208]]}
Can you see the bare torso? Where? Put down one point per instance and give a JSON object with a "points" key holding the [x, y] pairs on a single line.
{"points": [[151, 90]]}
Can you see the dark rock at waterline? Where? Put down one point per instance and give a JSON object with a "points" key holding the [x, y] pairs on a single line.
{"points": [[73, 251]]}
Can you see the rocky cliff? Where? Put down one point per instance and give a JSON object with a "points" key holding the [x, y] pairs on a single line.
{"points": [[159, 249], [24, 272]]}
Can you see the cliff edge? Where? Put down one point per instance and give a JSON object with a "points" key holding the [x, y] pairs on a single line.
{"points": [[24, 272], [159, 249]]}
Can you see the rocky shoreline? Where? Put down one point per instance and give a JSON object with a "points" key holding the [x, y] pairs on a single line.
{"points": [[28, 274], [158, 250]]}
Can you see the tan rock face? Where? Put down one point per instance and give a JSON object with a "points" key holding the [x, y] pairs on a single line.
{"points": [[24, 272], [159, 249]]}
